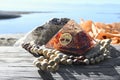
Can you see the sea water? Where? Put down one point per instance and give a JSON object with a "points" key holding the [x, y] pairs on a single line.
{"points": [[106, 13]]}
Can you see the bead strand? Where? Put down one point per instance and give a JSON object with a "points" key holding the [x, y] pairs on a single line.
{"points": [[49, 59]]}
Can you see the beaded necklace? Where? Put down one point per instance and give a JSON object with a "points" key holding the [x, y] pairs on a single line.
{"points": [[49, 59]]}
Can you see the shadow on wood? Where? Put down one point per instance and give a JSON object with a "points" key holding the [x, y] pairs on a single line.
{"points": [[45, 75], [104, 70]]}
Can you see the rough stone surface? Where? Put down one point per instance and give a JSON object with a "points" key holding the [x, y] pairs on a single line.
{"points": [[42, 34]]}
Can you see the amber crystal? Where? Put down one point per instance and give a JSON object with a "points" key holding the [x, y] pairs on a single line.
{"points": [[71, 39]]}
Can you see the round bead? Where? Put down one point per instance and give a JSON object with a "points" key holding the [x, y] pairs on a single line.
{"points": [[101, 57], [69, 61], [71, 57], [75, 61], [63, 61], [35, 50], [56, 59], [97, 59], [65, 56], [49, 68], [48, 54], [41, 58], [37, 64], [35, 61], [56, 52], [102, 49], [92, 61], [53, 51], [52, 56], [31, 50], [60, 55], [55, 67], [45, 60], [86, 61], [45, 51], [81, 57], [107, 52], [51, 62], [105, 55], [32, 42], [44, 65], [40, 51]]}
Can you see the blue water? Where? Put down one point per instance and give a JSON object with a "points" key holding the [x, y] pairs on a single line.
{"points": [[98, 13]]}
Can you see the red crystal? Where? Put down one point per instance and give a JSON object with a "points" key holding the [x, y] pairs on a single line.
{"points": [[71, 39]]}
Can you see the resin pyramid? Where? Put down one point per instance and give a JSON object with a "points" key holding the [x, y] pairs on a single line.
{"points": [[71, 39]]}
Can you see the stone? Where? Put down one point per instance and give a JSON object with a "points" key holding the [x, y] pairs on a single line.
{"points": [[42, 34]]}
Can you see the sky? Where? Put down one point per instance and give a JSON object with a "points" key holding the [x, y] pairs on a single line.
{"points": [[47, 4]]}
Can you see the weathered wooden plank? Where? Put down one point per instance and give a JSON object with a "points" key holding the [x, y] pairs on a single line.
{"points": [[16, 64]]}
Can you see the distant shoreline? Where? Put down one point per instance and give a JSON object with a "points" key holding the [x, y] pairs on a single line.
{"points": [[9, 39], [17, 14]]}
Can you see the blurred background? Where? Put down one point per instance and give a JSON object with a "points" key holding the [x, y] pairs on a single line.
{"points": [[28, 14]]}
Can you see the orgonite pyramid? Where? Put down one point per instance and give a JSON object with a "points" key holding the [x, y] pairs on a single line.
{"points": [[71, 39]]}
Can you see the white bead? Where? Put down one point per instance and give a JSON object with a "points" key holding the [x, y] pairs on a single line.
{"points": [[86, 61], [69, 61], [92, 61]]}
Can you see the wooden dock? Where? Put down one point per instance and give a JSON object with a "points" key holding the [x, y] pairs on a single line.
{"points": [[16, 64]]}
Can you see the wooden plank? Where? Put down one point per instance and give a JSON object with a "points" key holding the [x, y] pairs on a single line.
{"points": [[16, 64]]}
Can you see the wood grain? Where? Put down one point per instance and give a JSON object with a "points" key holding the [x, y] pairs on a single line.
{"points": [[16, 64]]}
